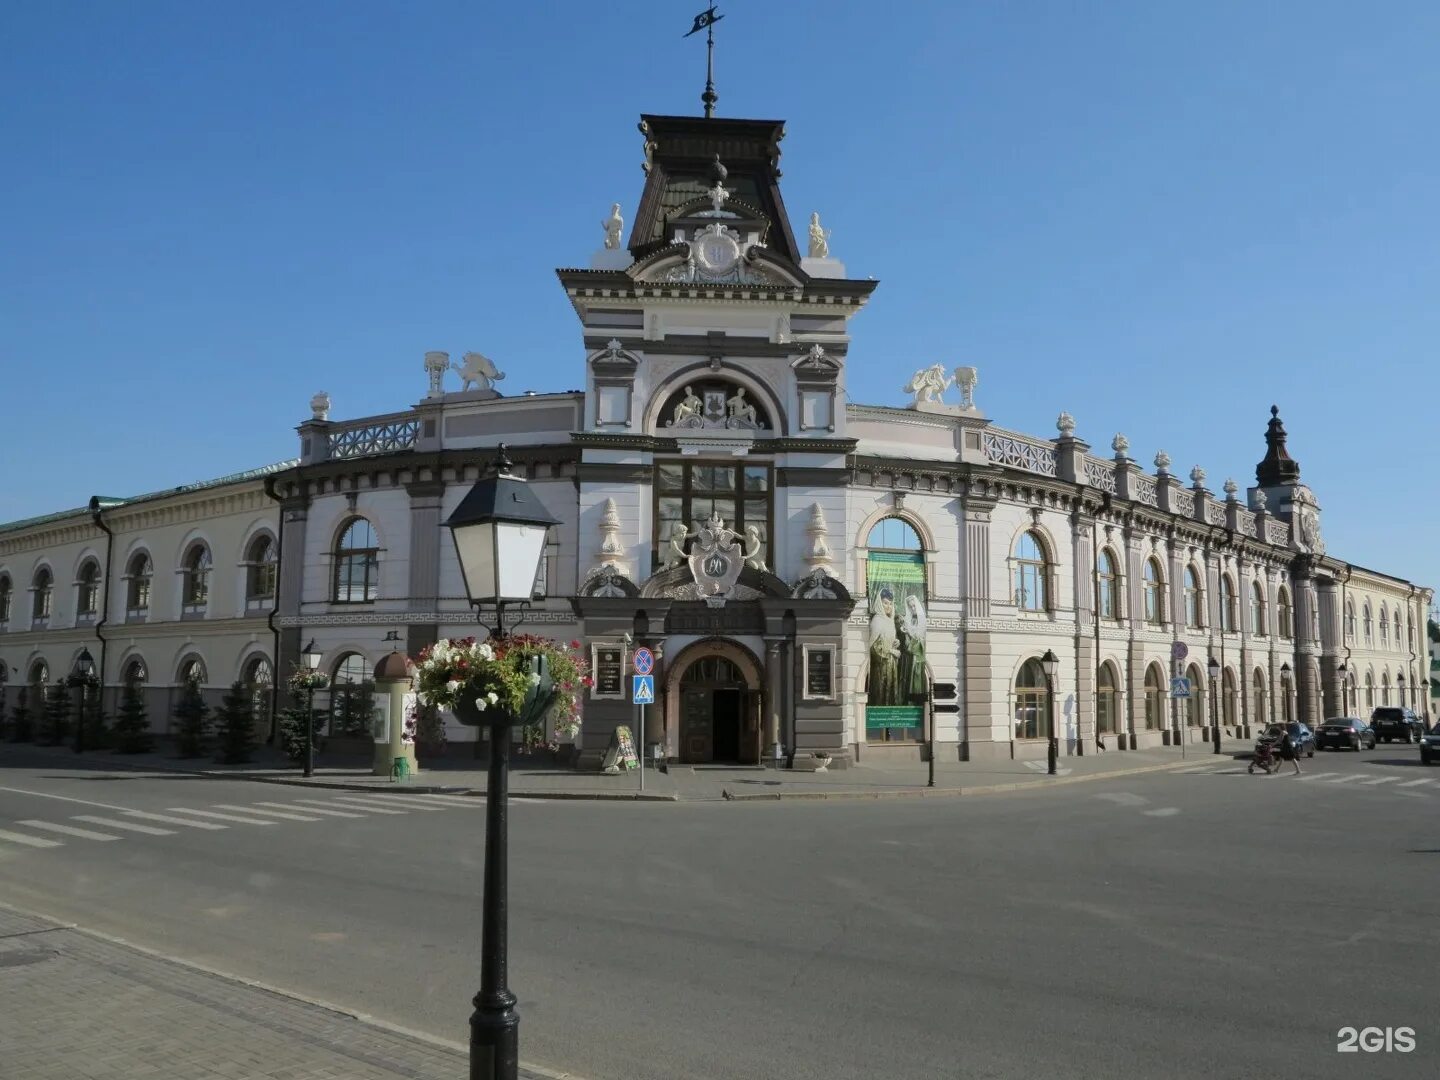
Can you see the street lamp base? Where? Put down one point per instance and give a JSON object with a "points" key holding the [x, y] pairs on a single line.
{"points": [[494, 1044]]}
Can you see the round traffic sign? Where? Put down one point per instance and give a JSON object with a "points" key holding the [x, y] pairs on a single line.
{"points": [[643, 661], [1179, 651]]}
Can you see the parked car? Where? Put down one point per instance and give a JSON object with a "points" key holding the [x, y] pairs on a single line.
{"points": [[1393, 722], [1430, 745], [1300, 735], [1345, 733]]}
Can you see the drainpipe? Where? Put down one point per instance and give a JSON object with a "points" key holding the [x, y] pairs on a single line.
{"points": [[97, 506], [1345, 644], [274, 610]]}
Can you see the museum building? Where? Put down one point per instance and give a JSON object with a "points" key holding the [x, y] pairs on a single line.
{"points": [[805, 568]]}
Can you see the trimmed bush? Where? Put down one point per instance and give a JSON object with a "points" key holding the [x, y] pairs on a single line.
{"points": [[235, 725], [55, 716], [132, 725], [193, 729]]}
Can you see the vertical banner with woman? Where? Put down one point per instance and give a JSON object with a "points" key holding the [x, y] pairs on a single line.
{"points": [[896, 641]]}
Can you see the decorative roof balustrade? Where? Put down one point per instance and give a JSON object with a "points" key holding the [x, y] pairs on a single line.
{"points": [[385, 437], [1215, 513], [1100, 474], [1145, 490], [1277, 532], [1184, 503], [1020, 452], [1247, 523]]}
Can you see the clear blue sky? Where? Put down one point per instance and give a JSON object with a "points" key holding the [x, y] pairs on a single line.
{"points": [[1161, 217]]}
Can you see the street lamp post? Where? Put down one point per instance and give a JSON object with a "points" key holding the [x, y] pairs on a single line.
{"points": [[311, 656], [1400, 687], [81, 677], [1285, 691], [1216, 708], [499, 530], [1050, 663], [1343, 672]]}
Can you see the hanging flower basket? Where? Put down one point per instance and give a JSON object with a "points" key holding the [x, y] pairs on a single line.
{"points": [[522, 680]]}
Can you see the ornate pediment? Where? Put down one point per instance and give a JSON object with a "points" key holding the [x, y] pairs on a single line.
{"points": [[816, 366], [607, 581], [715, 255], [615, 361]]}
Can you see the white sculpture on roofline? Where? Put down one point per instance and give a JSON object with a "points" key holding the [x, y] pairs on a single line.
{"points": [[479, 370]]}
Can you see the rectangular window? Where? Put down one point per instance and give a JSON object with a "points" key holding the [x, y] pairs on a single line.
{"points": [[689, 493]]}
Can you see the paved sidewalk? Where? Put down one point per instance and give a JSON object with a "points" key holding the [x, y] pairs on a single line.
{"points": [[866, 779], [78, 1006]]}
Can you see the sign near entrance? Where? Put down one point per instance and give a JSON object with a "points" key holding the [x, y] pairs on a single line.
{"points": [[643, 661], [609, 667], [819, 672], [621, 753], [643, 689], [1180, 688]]}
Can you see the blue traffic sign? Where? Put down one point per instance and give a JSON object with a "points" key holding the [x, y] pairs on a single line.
{"points": [[643, 661], [642, 689], [1180, 688]]}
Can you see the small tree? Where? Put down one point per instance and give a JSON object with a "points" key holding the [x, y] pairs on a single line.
{"points": [[429, 730], [352, 706], [235, 725], [132, 726], [291, 726], [89, 712], [194, 717], [55, 716], [22, 725]]}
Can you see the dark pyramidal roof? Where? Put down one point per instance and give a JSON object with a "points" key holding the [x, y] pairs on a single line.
{"points": [[1278, 467]]}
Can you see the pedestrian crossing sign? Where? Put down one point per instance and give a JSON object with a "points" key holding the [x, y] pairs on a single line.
{"points": [[1180, 688], [642, 689]]}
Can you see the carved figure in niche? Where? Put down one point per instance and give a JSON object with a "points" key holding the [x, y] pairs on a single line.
{"points": [[691, 409], [479, 370], [928, 384], [819, 238], [676, 555], [883, 684], [912, 650], [740, 412], [754, 549], [613, 226]]}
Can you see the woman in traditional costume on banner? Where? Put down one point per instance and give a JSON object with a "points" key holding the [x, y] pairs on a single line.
{"points": [[912, 651], [883, 685]]}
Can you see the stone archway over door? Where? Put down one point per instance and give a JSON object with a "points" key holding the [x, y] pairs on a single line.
{"points": [[713, 702]]}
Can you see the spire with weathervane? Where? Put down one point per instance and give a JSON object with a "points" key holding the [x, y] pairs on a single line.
{"points": [[706, 21]]}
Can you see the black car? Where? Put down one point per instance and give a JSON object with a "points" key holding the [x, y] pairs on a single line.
{"points": [[1344, 733], [1430, 746], [1393, 722], [1301, 737]]}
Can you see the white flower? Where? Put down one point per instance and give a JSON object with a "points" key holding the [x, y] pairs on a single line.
{"points": [[485, 651], [422, 698], [534, 679], [493, 696], [480, 703], [452, 686]]}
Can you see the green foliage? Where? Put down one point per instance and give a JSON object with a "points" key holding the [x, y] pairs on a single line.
{"points": [[89, 713], [1432, 628], [235, 725], [430, 731], [291, 726], [132, 726], [55, 716], [352, 706], [194, 716], [22, 721]]}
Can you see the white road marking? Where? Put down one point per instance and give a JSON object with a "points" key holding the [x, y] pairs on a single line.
{"points": [[1192, 769], [1346, 779], [392, 800], [429, 801], [69, 830], [1416, 783], [1413, 794], [175, 820], [1124, 798], [1163, 811], [1318, 776], [267, 813], [149, 830], [221, 817], [1381, 780], [67, 798], [313, 810], [31, 841], [362, 807]]}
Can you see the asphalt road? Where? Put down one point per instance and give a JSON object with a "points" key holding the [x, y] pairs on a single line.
{"points": [[1169, 925]]}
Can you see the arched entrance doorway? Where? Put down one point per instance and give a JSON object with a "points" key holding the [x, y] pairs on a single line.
{"points": [[713, 705]]}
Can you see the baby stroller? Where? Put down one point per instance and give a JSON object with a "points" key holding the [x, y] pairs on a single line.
{"points": [[1266, 757]]}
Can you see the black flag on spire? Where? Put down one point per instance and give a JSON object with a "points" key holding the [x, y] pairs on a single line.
{"points": [[704, 19]]}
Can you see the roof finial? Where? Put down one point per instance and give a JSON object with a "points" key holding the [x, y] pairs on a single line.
{"points": [[706, 21]]}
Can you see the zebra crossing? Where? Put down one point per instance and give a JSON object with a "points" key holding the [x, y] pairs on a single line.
{"points": [[121, 824], [1355, 780]]}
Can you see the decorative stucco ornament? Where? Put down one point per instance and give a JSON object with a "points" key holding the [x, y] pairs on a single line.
{"points": [[605, 581], [1231, 489], [1310, 531], [320, 406], [967, 378], [1261, 500], [612, 551], [1121, 445], [715, 412], [480, 370], [819, 238], [738, 411], [755, 549], [818, 553], [676, 554], [716, 559], [1065, 424], [613, 226], [718, 191], [716, 256], [928, 384], [1197, 476], [1162, 462], [815, 586], [436, 365]]}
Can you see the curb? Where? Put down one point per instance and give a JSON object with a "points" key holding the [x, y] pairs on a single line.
{"points": [[255, 984], [1040, 784]]}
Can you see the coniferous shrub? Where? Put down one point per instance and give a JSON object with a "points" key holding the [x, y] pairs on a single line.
{"points": [[55, 716], [22, 721], [291, 727], [353, 706], [132, 726], [235, 725], [193, 729]]}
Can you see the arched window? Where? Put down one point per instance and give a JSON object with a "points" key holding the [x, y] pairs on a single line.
{"points": [[895, 584], [1285, 615], [1154, 593], [1349, 620], [357, 563], [1369, 690], [1107, 701], [1369, 625], [1032, 713], [1030, 574], [1154, 698], [1384, 627], [1194, 599], [192, 670], [87, 590], [1107, 586], [135, 673], [352, 696], [195, 575], [1195, 703], [39, 674], [260, 563], [1259, 714], [893, 534], [1227, 604], [1257, 609], [1229, 699], [138, 574], [259, 678], [690, 491], [1385, 688], [43, 591], [7, 593]]}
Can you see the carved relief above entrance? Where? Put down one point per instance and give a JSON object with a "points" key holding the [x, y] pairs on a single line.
{"points": [[712, 704]]}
